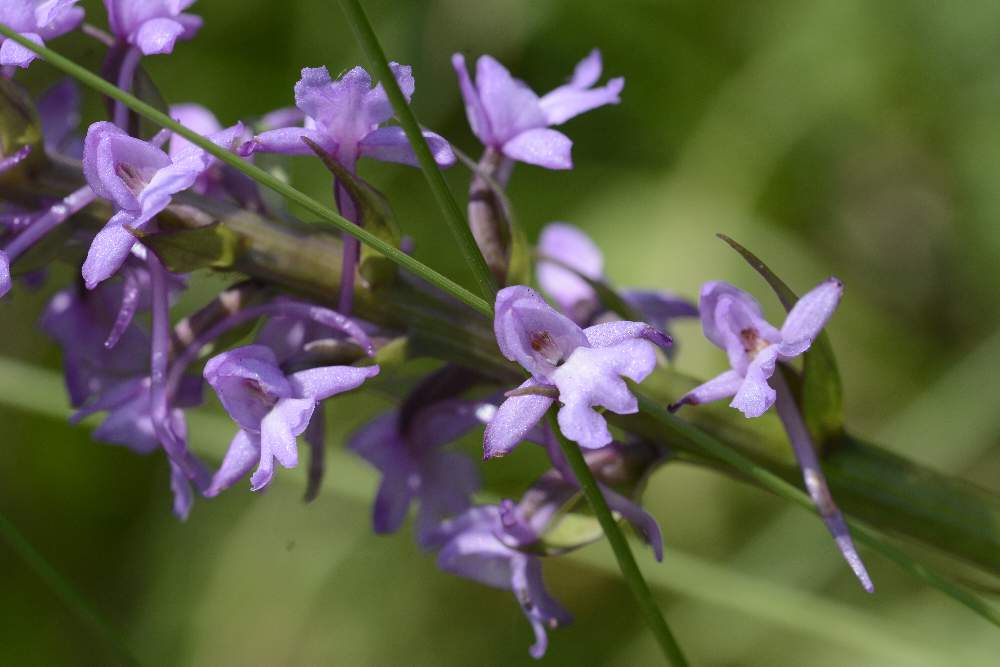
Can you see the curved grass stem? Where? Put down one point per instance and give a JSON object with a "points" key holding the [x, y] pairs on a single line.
{"points": [[623, 553]]}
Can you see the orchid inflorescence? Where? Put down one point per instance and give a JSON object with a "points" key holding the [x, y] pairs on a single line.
{"points": [[581, 356]]}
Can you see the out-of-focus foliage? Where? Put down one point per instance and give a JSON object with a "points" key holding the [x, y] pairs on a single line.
{"points": [[832, 136]]}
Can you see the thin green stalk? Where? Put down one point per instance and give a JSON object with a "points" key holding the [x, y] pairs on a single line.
{"points": [[256, 173], [623, 553], [64, 590], [453, 216], [743, 465]]}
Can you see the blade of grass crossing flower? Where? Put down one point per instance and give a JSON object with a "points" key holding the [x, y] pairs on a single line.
{"points": [[64, 590], [446, 201], [326, 214], [623, 553], [708, 444]]}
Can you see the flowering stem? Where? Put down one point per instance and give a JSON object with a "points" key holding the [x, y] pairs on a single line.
{"points": [[446, 200], [815, 482], [623, 553], [64, 590], [483, 306]]}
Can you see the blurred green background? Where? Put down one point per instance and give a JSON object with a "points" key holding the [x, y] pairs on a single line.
{"points": [[841, 137]]}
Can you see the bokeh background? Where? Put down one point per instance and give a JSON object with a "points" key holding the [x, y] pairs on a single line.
{"points": [[838, 137]]}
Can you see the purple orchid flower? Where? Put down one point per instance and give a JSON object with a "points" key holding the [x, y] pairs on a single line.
{"points": [[583, 367], [140, 179], [151, 26], [38, 20], [485, 544], [733, 320], [506, 116], [345, 117], [117, 381], [565, 251], [414, 467], [270, 407]]}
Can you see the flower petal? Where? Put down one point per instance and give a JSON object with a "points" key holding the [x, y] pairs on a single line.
{"points": [[479, 121], [13, 54], [619, 331], [286, 141], [542, 147], [322, 383], [389, 144], [512, 107], [243, 454], [593, 377], [157, 35], [109, 250], [248, 381], [577, 96], [659, 307], [513, 420], [808, 317], [641, 520], [532, 333], [721, 386], [755, 395], [287, 419], [570, 246]]}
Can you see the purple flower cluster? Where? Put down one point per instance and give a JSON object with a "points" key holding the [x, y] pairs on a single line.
{"points": [[578, 356]]}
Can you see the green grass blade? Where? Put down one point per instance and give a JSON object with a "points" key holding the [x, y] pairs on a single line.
{"points": [[453, 216]]}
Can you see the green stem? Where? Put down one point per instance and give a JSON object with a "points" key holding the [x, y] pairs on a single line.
{"points": [[446, 201], [63, 589], [256, 173], [623, 553]]}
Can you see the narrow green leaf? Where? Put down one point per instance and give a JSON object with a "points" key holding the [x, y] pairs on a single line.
{"points": [[822, 394]]}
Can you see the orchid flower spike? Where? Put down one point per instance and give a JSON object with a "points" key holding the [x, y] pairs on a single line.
{"points": [[733, 320], [38, 20], [484, 544], [345, 117], [152, 26], [415, 467], [567, 256], [271, 408], [507, 116], [140, 180], [583, 368]]}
